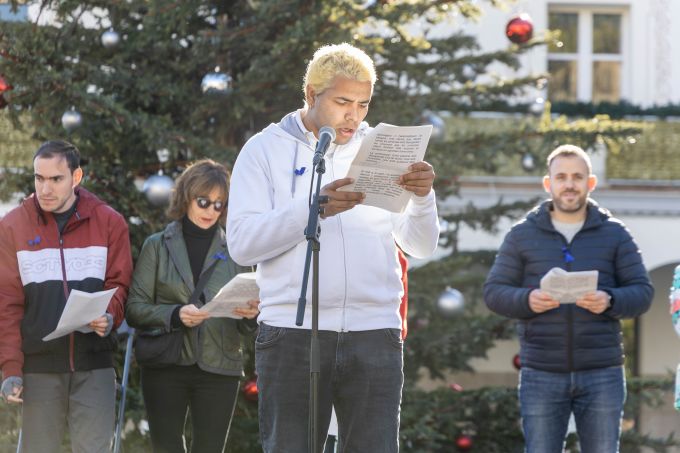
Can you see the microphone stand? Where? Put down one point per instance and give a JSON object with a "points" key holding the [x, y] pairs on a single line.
{"points": [[312, 233]]}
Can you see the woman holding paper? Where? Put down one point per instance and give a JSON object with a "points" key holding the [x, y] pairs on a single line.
{"points": [[189, 360]]}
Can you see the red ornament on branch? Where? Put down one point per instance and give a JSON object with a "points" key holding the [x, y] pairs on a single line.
{"points": [[520, 29], [456, 387], [250, 390], [4, 86], [464, 443], [517, 362]]}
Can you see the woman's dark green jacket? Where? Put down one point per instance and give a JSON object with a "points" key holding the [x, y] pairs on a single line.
{"points": [[162, 281]]}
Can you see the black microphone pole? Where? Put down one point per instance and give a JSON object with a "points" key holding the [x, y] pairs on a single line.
{"points": [[312, 234]]}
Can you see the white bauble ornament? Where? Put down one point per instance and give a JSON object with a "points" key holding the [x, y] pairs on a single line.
{"points": [[110, 38], [158, 189], [217, 83], [451, 302], [71, 120]]}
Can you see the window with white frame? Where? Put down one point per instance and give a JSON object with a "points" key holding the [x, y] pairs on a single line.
{"points": [[588, 62]]}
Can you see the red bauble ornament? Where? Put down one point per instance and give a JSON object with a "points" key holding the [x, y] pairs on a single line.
{"points": [[250, 390], [520, 29], [4, 86], [456, 387], [517, 362], [464, 443]]}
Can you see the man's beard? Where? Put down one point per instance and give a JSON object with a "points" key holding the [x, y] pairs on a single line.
{"points": [[570, 207]]}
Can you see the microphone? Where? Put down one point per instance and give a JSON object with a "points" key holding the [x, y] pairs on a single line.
{"points": [[326, 137]]}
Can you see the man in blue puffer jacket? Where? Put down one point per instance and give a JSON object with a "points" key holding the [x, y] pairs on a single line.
{"points": [[571, 354]]}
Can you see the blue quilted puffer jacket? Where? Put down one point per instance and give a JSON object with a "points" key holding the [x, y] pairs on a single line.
{"points": [[569, 338]]}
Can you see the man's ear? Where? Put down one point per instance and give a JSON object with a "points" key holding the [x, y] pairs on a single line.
{"points": [[592, 182], [546, 183], [310, 96], [77, 176]]}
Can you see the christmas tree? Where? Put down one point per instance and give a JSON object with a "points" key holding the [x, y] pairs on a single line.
{"points": [[144, 87]]}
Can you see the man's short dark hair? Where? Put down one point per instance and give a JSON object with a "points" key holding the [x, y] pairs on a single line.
{"points": [[60, 148]]}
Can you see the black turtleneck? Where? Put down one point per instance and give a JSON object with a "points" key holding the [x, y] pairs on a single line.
{"points": [[198, 242]]}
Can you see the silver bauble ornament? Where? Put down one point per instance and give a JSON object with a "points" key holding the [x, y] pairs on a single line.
{"points": [[158, 189], [216, 83], [451, 302], [537, 106], [110, 38], [438, 125], [71, 120], [528, 162], [163, 155], [469, 72]]}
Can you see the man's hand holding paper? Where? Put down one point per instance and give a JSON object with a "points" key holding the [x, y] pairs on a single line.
{"points": [[102, 325], [339, 201], [540, 301], [595, 301], [572, 287], [389, 167], [419, 178], [83, 312]]}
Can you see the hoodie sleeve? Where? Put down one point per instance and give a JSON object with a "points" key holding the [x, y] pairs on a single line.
{"points": [[503, 291], [258, 229], [11, 306], [118, 266], [417, 229]]}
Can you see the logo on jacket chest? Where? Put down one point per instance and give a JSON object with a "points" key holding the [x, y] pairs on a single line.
{"points": [[37, 266]]}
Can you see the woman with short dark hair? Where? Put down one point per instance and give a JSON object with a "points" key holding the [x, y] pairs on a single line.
{"points": [[203, 378]]}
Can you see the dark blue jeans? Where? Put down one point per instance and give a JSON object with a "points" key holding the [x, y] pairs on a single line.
{"points": [[361, 376], [595, 397]]}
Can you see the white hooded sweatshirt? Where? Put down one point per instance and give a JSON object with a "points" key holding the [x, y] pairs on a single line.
{"points": [[360, 277]]}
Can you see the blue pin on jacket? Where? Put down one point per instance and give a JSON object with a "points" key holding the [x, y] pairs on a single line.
{"points": [[568, 257], [299, 171], [35, 241], [220, 256]]}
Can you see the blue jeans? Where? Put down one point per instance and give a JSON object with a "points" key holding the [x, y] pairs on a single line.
{"points": [[595, 397], [361, 376]]}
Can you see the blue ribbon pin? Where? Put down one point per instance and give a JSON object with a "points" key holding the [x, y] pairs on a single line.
{"points": [[35, 241], [568, 257], [220, 256], [300, 171]]}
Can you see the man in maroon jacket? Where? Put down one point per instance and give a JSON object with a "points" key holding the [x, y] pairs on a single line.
{"points": [[60, 238]]}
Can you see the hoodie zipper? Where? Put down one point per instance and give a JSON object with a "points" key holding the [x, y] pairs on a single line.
{"points": [[71, 337], [570, 311], [343, 321]]}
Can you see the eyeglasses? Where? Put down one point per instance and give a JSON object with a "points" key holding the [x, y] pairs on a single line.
{"points": [[204, 203]]}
